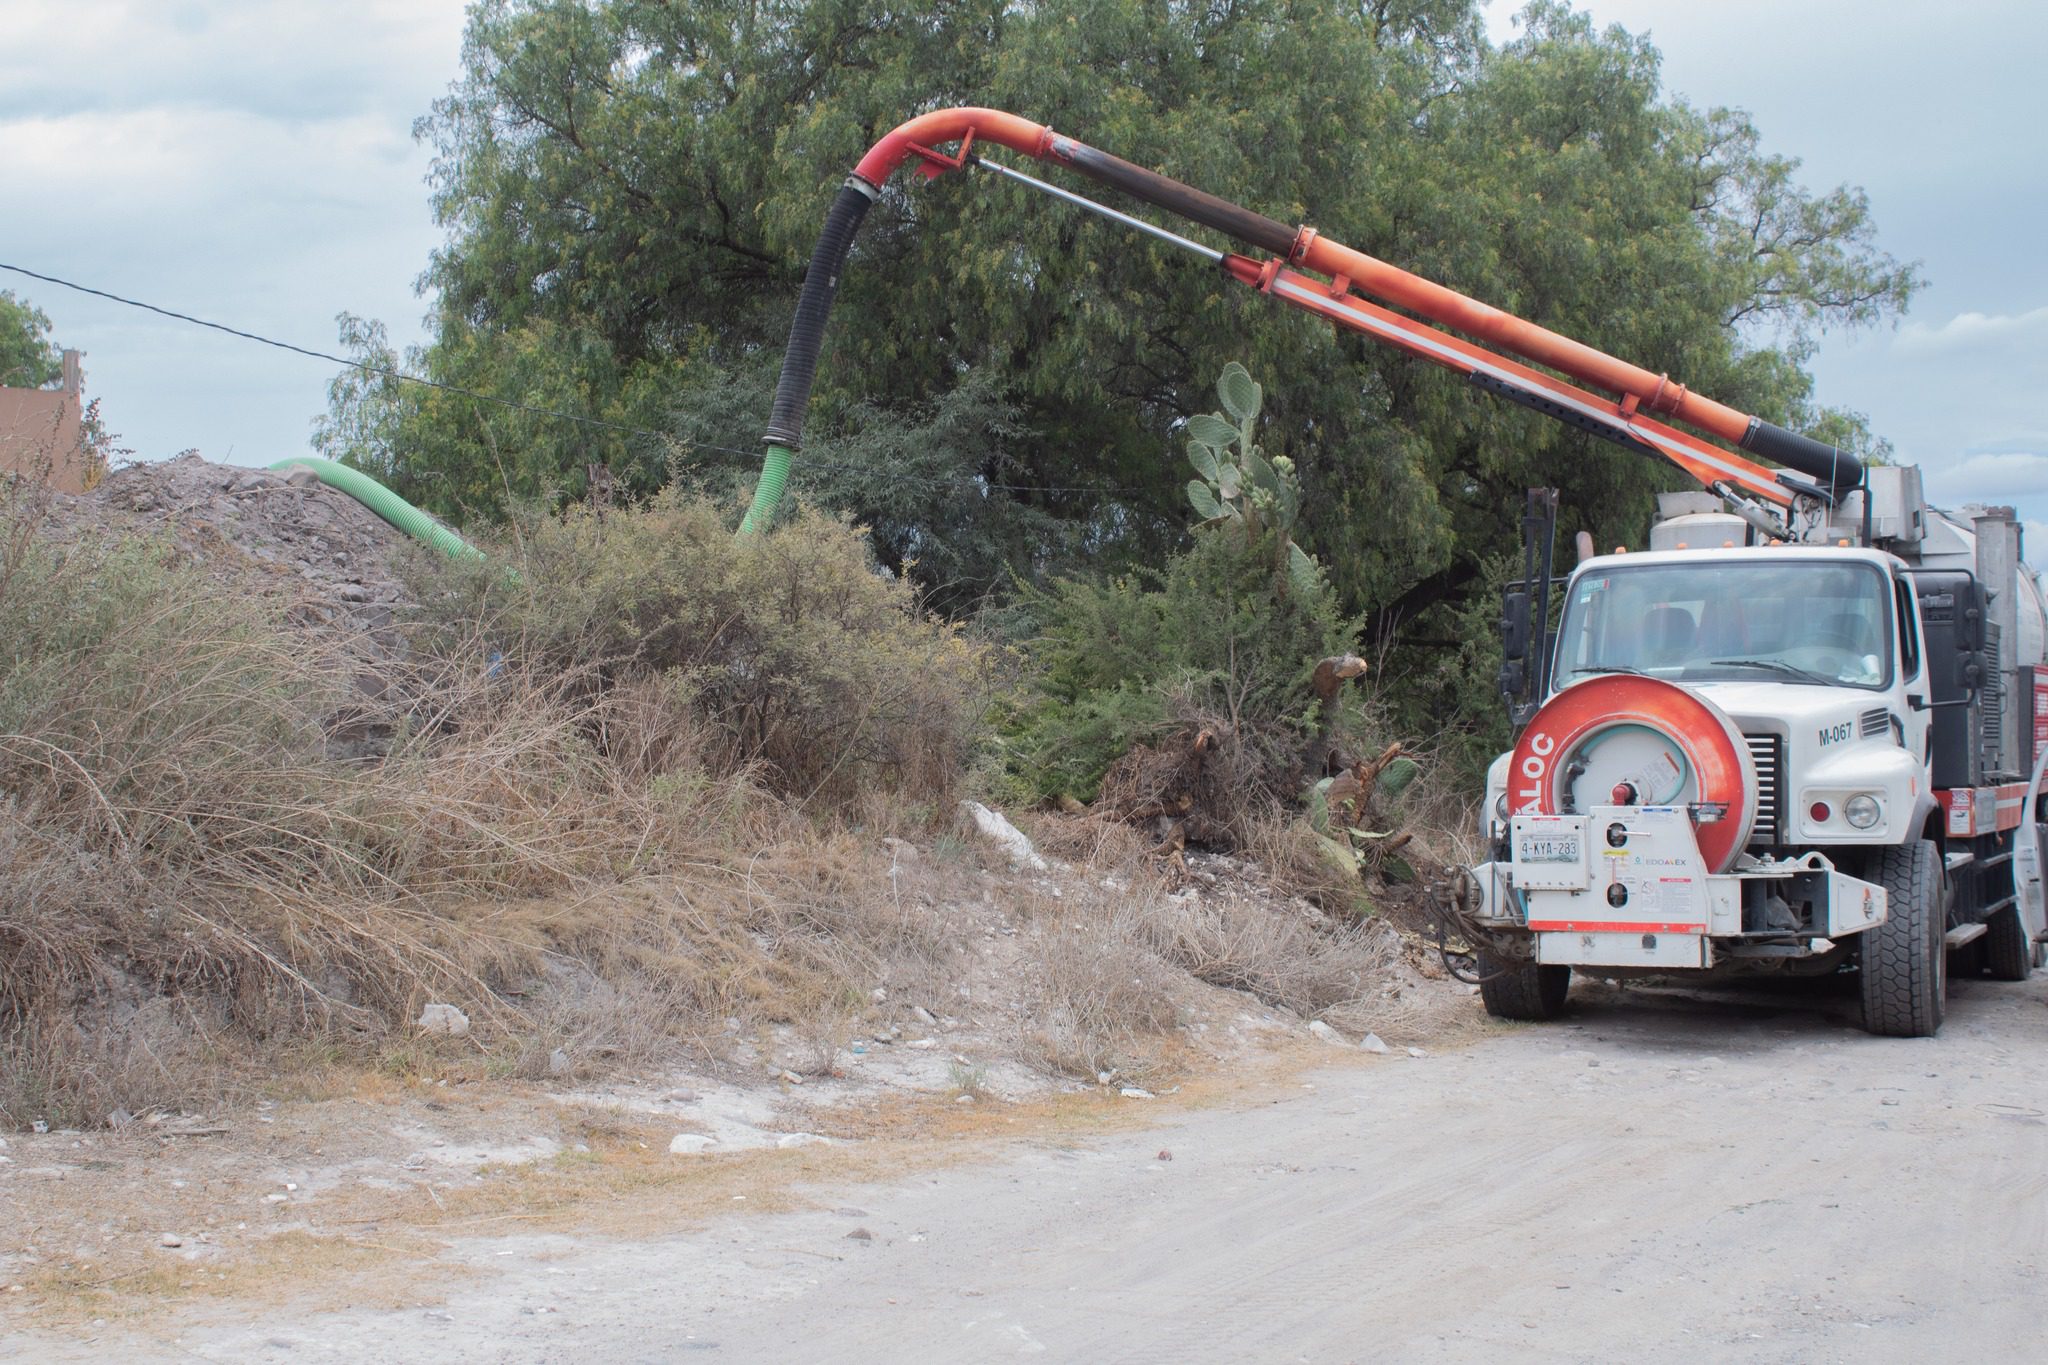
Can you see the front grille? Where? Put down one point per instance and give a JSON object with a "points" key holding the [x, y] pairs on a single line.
{"points": [[1767, 752]]}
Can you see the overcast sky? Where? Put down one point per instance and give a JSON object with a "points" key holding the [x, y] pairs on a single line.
{"points": [[251, 161]]}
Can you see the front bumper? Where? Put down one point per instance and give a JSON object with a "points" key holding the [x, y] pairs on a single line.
{"points": [[1625, 886]]}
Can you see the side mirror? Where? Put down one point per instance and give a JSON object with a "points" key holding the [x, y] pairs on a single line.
{"points": [[1973, 669], [1515, 627]]}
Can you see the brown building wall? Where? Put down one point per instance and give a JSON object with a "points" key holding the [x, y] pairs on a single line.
{"points": [[42, 434]]}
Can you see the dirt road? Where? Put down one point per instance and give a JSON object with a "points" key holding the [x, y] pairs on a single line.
{"points": [[1663, 1178]]}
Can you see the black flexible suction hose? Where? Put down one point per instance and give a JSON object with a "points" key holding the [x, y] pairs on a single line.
{"points": [[1835, 470], [784, 436]]}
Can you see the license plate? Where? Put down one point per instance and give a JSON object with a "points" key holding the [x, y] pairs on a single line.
{"points": [[1548, 848]]}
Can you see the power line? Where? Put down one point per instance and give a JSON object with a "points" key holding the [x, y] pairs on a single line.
{"points": [[962, 481]]}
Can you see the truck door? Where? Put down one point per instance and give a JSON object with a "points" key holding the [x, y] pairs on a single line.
{"points": [[1912, 670]]}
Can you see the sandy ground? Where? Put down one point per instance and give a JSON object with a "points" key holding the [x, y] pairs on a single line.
{"points": [[1664, 1177]]}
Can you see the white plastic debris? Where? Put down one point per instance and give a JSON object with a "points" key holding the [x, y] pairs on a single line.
{"points": [[1005, 836]]}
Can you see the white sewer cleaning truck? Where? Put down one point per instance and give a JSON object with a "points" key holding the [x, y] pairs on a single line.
{"points": [[1795, 736], [1788, 749]]}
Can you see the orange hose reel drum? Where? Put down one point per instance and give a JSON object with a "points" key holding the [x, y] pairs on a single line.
{"points": [[1676, 746]]}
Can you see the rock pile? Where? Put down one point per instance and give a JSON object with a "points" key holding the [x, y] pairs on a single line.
{"points": [[327, 564], [289, 535]]}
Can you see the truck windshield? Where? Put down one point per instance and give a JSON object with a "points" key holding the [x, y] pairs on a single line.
{"points": [[1781, 620]]}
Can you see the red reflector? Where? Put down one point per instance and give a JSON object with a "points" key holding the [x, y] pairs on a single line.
{"points": [[1819, 812]]}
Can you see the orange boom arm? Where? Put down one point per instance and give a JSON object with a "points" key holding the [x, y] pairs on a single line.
{"points": [[1623, 403]]}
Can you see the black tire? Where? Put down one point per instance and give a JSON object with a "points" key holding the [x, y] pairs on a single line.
{"points": [[2007, 954], [1904, 961], [1512, 988]]}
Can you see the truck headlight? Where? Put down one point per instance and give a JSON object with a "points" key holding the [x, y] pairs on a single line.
{"points": [[1863, 810]]}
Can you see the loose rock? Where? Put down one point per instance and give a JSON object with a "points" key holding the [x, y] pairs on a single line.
{"points": [[788, 1140], [689, 1144], [1371, 1043], [443, 1019], [1329, 1035]]}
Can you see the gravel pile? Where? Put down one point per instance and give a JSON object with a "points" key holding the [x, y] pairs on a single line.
{"points": [[331, 560], [328, 563]]}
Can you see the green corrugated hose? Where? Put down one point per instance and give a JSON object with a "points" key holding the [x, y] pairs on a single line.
{"points": [[768, 492], [389, 505]]}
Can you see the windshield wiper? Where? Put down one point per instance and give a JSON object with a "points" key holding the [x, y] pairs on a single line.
{"points": [[1612, 668], [1780, 666]]}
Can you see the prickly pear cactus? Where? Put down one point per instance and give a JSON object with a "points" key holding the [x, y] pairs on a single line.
{"points": [[1236, 484], [1396, 778], [1355, 813]]}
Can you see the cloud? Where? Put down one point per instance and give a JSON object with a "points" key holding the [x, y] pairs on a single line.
{"points": [[246, 161], [2001, 477], [1968, 332], [286, 59], [2017, 445]]}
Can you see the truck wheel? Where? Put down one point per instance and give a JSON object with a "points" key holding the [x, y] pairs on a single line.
{"points": [[1512, 988], [1904, 961], [2007, 954]]}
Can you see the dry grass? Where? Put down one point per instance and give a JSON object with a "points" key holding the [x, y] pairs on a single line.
{"points": [[590, 856], [1296, 865], [189, 871], [1114, 950], [1106, 1000], [1316, 970]]}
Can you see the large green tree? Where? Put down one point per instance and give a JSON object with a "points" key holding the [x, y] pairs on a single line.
{"points": [[632, 189], [28, 358]]}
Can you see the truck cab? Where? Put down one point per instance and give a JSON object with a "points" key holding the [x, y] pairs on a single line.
{"points": [[1754, 755], [1814, 653]]}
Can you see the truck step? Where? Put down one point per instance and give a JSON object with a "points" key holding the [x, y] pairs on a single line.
{"points": [[1956, 860], [1966, 933]]}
